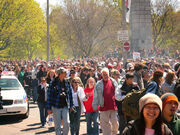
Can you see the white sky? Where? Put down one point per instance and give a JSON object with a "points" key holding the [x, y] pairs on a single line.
{"points": [[51, 2], [56, 2], [42, 2]]}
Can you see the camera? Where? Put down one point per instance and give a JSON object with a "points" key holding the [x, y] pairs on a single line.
{"points": [[63, 95]]}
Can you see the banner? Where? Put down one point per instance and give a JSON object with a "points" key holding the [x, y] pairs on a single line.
{"points": [[136, 55]]}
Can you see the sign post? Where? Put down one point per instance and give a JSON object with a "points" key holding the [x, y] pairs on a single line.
{"points": [[126, 46], [123, 35]]}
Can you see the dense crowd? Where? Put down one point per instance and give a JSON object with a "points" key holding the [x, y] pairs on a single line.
{"points": [[97, 87]]}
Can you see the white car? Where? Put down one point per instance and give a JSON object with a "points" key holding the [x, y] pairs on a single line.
{"points": [[14, 98]]}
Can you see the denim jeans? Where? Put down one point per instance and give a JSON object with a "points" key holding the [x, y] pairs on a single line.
{"points": [[35, 94], [92, 123], [58, 115], [75, 121], [35, 84], [43, 112]]}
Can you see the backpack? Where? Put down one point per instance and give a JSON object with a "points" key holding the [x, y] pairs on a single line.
{"points": [[130, 104]]}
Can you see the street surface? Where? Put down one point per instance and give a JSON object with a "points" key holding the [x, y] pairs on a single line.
{"points": [[13, 125]]}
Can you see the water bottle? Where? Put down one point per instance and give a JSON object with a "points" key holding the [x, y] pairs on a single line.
{"points": [[50, 120]]}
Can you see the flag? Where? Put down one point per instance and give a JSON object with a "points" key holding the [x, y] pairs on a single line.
{"points": [[128, 6]]}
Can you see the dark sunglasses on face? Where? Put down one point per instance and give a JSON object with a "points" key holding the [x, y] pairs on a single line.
{"points": [[75, 82]]}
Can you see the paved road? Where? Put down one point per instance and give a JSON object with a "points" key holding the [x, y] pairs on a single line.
{"points": [[13, 125]]}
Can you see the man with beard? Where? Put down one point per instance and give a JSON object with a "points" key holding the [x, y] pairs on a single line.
{"points": [[170, 106]]}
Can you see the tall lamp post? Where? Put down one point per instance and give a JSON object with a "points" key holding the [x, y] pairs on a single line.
{"points": [[47, 30], [124, 28]]}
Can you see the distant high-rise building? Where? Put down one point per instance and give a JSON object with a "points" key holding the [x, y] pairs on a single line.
{"points": [[140, 25]]}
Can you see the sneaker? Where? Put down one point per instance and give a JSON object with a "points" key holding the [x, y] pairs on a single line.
{"points": [[42, 126]]}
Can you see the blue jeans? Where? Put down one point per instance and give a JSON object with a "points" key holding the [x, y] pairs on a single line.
{"points": [[43, 112], [75, 121], [35, 94], [92, 123], [58, 115]]}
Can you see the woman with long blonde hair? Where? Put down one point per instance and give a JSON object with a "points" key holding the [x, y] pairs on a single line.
{"points": [[91, 115], [78, 98]]}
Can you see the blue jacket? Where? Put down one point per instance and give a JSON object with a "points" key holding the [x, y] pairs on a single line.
{"points": [[53, 98], [98, 98], [153, 87]]}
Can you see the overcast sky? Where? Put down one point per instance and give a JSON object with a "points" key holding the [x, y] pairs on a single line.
{"points": [[56, 2], [52, 2]]}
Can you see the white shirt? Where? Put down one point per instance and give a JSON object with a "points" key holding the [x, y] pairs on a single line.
{"points": [[75, 98], [82, 97]]}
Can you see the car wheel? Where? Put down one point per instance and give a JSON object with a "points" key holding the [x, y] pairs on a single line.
{"points": [[26, 115]]}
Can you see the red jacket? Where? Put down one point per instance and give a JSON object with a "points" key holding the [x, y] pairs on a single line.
{"points": [[88, 103]]}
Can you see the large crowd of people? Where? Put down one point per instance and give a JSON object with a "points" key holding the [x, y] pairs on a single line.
{"points": [[97, 86]]}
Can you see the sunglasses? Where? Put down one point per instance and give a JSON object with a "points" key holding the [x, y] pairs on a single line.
{"points": [[91, 82], [75, 82]]}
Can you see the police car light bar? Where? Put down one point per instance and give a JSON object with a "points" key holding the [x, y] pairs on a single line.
{"points": [[8, 73]]}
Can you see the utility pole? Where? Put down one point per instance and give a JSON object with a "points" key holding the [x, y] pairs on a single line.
{"points": [[123, 15], [47, 30], [124, 28]]}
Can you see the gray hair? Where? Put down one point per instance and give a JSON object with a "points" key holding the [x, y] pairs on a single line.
{"points": [[105, 70]]}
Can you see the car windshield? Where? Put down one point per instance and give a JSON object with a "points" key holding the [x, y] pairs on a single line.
{"points": [[9, 84]]}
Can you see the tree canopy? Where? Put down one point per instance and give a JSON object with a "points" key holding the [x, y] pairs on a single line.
{"points": [[165, 25], [22, 27], [84, 25]]}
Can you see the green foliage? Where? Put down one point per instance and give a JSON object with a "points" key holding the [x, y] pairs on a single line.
{"points": [[57, 45], [166, 26], [22, 28]]}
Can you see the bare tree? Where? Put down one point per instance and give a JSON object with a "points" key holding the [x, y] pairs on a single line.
{"points": [[86, 24]]}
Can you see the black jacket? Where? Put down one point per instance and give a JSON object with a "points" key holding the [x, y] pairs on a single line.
{"points": [[132, 129], [41, 94], [128, 88]]}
